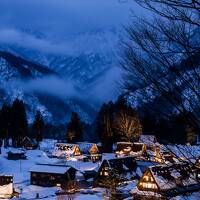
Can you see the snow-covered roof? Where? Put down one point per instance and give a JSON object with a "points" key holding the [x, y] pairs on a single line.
{"points": [[148, 139], [184, 151], [126, 143], [138, 192], [6, 175], [121, 163], [64, 148], [47, 144], [83, 166], [167, 175], [85, 147], [49, 169], [15, 151]]}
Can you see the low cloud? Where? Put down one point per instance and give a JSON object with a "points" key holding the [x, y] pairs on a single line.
{"points": [[51, 85], [24, 40], [105, 89]]}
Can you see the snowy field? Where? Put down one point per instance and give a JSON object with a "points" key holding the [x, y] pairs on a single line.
{"points": [[20, 171]]}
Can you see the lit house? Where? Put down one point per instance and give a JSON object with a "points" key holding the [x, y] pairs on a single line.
{"points": [[130, 149], [118, 170], [66, 150], [123, 148], [167, 181], [91, 151], [51, 175], [6, 187], [29, 143]]}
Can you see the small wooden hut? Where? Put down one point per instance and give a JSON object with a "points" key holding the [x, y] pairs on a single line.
{"points": [[15, 154], [29, 143], [50, 175]]}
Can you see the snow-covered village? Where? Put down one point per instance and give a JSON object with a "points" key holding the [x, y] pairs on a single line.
{"points": [[100, 99]]}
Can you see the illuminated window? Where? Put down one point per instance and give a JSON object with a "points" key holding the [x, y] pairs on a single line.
{"points": [[106, 173], [148, 185]]}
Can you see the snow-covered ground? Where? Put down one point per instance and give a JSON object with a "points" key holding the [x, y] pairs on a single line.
{"points": [[20, 171], [21, 175]]}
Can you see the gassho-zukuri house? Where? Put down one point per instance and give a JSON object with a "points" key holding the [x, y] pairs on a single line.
{"points": [[6, 186], [130, 149], [117, 169], [90, 150], [66, 150], [164, 181]]}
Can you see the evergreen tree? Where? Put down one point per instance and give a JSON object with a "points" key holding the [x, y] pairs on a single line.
{"points": [[74, 129], [38, 126], [104, 126], [149, 122], [5, 122], [19, 122]]}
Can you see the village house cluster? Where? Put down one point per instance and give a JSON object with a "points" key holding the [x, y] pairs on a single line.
{"points": [[156, 170]]}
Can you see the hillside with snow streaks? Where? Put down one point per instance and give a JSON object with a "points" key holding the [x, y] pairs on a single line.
{"points": [[82, 64], [83, 57], [150, 95], [29, 81]]}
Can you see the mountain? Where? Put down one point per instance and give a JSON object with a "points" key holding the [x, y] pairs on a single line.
{"points": [[17, 67], [81, 66], [60, 75], [83, 58], [24, 79]]}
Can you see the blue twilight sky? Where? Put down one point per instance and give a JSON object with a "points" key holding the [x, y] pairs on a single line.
{"points": [[61, 17]]}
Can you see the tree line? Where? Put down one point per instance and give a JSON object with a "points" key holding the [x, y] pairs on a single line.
{"points": [[14, 123], [115, 122]]}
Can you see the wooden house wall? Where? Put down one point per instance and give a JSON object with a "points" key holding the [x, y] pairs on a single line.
{"points": [[52, 179], [47, 179], [16, 156]]}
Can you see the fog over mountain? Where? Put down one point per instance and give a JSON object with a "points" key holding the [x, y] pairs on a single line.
{"points": [[76, 39]]}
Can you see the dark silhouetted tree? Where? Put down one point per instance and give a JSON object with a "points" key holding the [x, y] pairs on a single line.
{"points": [[19, 122], [104, 126], [74, 129], [5, 122], [38, 126]]}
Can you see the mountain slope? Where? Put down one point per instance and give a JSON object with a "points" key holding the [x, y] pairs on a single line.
{"points": [[24, 79], [83, 57]]}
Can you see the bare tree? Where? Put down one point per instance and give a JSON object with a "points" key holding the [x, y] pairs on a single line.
{"points": [[126, 123], [182, 10], [164, 53]]}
